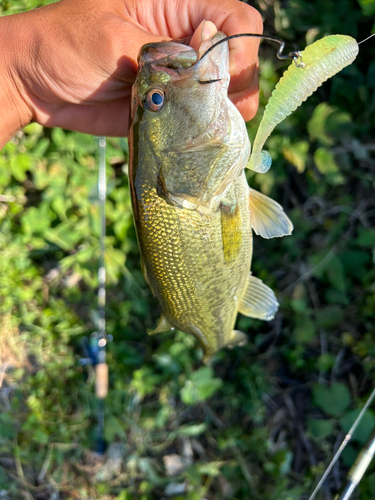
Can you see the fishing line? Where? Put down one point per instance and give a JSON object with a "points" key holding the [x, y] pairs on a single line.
{"points": [[292, 55], [365, 40]]}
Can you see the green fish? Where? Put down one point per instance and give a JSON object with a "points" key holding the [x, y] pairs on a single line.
{"points": [[193, 209]]}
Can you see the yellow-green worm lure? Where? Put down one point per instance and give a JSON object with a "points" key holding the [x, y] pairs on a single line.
{"points": [[316, 64]]}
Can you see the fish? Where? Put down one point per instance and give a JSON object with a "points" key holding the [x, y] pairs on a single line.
{"points": [[194, 212]]}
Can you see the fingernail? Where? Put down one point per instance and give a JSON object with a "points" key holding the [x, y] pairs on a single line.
{"points": [[208, 30]]}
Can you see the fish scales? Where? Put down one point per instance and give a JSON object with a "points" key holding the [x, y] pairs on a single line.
{"points": [[182, 246]]}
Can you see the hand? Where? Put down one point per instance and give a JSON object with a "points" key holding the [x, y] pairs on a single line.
{"points": [[72, 64]]}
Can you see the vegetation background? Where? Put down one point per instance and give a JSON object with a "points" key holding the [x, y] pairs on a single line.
{"points": [[263, 421]]}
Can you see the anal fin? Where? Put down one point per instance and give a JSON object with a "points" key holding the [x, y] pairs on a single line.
{"points": [[237, 338], [267, 217], [258, 301], [162, 326]]}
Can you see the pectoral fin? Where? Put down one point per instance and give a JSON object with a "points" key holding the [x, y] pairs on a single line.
{"points": [[267, 217], [258, 301], [162, 326]]}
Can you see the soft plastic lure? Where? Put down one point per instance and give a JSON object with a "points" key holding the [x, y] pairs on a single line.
{"points": [[318, 62]]}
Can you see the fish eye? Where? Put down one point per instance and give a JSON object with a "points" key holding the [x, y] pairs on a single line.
{"points": [[154, 99]]}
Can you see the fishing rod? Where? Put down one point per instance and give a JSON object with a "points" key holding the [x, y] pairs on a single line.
{"points": [[361, 464], [101, 368], [95, 347], [358, 469]]}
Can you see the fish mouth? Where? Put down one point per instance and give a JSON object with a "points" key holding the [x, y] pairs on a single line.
{"points": [[177, 56], [171, 55], [209, 81]]}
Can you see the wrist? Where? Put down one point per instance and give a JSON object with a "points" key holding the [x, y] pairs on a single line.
{"points": [[15, 110]]}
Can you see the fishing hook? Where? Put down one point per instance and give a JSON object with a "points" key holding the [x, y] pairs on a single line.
{"points": [[292, 55], [295, 55]]}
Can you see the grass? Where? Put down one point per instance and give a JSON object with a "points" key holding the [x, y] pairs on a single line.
{"points": [[263, 421]]}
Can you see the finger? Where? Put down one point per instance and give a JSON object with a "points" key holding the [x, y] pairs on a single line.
{"points": [[109, 119], [247, 100], [243, 59], [130, 38], [205, 31], [233, 17]]}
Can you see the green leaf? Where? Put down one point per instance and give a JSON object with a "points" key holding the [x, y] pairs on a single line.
{"points": [[144, 381], [339, 125], [33, 129], [335, 297], [368, 7], [5, 173], [65, 235], [297, 154], [41, 147], [349, 456], [328, 124], [124, 495], [19, 165], [364, 427], [371, 74], [201, 386], [371, 483], [332, 400], [209, 469], [317, 124], [329, 316], [335, 273], [320, 429], [366, 237], [115, 262], [35, 221], [191, 430], [326, 362], [8, 430], [305, 329], [112, 429], [326, 164], [58, 137], [354, 262]]}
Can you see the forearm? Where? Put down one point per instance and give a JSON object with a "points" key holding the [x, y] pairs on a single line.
{"points": [[14, 110]]}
